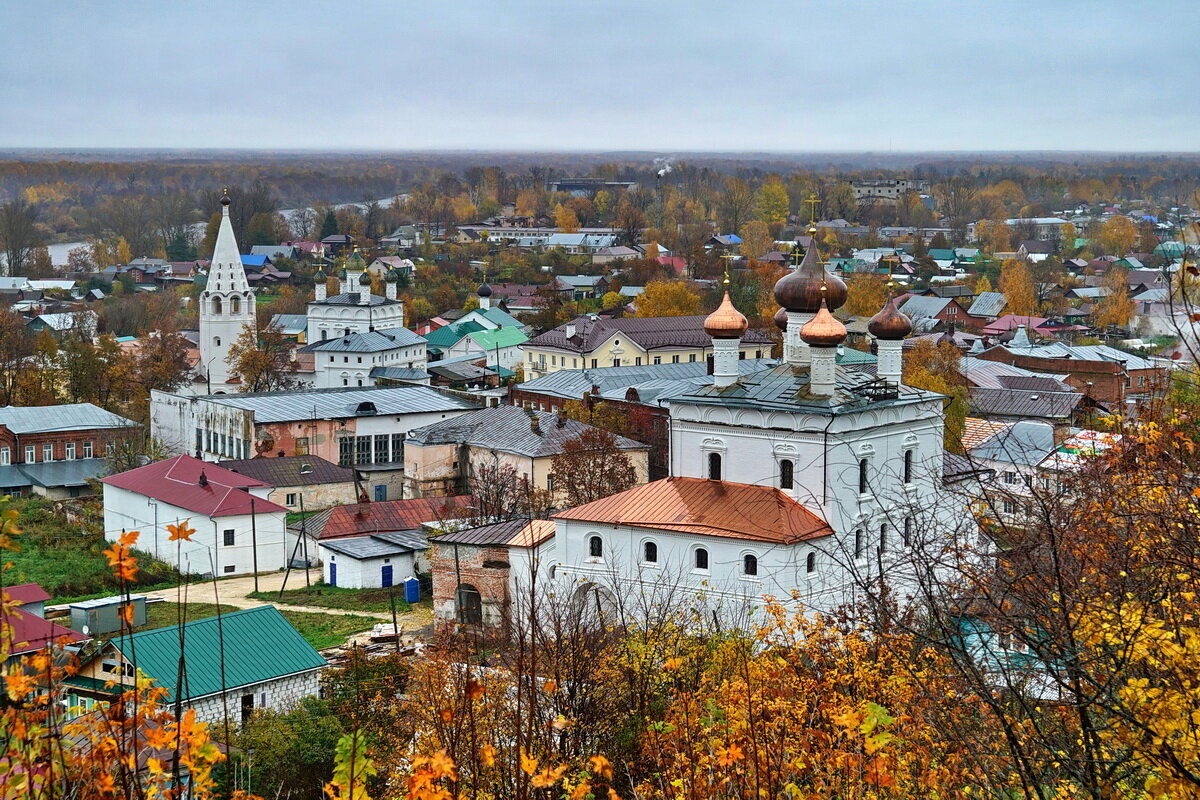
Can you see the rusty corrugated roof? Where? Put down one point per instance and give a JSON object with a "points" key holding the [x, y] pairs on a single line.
{"points": [[707, 508]]}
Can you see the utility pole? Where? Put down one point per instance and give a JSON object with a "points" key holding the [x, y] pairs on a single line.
{"points": [[254, 541]]}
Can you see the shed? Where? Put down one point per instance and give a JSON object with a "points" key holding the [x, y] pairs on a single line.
{"points": [[374, 561], [103, 615]]}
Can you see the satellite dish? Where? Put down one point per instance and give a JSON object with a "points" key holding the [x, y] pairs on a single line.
{"points": [[85, 630]]}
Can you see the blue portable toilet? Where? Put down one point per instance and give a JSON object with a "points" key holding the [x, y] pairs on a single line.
{"points": [[412, 590]]}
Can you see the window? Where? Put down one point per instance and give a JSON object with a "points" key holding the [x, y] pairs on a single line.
{"points": [[216, 308], [616, 362], [691, 357], [907, 531], [862, 476], [5, 456], [658, 359], [235, 305], [786, 469], [1009, 506], [470, 604], [701, 558], [397, 447], [1010, 477], [908, 462], [883, 538], [714, 466], [70, 451], [47, 452], [110, 448], [858, 544], [302, 445], [381, 448], [228, 568], [290, 499], [810, 563], [228, 537], [87, 449], [596, 547], [749, 564], [362, 450], [650, 553], [30, 454], [594, 362], [674, 359]]}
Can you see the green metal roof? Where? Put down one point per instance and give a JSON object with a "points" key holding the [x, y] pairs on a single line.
{"points": [[260, 645], [500, 337], [91, 684], [447, 335]]}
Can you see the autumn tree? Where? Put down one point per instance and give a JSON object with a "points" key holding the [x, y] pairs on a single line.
{"points": [[734, 206], [1118, 235], [867, 292], [667, 299], [993, 236], [1016, 283], [262, 359], [757, 240], [771, 203], [934, 366], [1116, 308], [565, 219], [1067, 237], [19, 234], [591, 466]]}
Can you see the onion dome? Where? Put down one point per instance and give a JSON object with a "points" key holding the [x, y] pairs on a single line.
{"points": [[484, 290], [342, 274], [781, 319], [392, 275], [890, 324], [801, 289], [1003, 338], [823, 330], [225, 201], [355, 262], [319, 276], [364, 279], [726, 322]]}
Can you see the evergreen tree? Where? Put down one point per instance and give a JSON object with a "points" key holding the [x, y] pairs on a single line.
{"points": [[329, 227]]}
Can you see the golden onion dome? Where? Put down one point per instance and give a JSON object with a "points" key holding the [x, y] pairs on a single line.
{"points": [[823, 330], [890, 324], [800, 290], [781, 319], [726, 322]]}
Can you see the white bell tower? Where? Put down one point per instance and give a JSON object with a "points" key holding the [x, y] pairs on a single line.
{"points": [[226, 304]]}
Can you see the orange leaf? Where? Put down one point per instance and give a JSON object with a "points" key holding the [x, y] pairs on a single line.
{"points": [[474, 689], [529, 764], [487, 754], [447, 714], [601, 766], [181, 531]]}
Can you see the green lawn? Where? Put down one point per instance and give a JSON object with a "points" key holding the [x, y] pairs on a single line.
{"points": [[321, 630], [323, 595]]}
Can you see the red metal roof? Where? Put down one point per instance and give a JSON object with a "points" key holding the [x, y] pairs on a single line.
{"points": [[708, 508], [394, 515], [31, 633], [26, 593], [177, 481]]}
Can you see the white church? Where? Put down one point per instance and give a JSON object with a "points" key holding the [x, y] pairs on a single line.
{"points": [[350, 333], [804, 481]]}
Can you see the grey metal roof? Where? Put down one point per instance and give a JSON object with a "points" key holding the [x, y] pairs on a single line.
{"points": [[351, 299], [1024, 403], [785, 388], [499, 533], [573, 383], [53, 474], [1084, 352], [1026, 442], [459, 370], [648, 332], [988, 304], [367, 342], [996, 375], [378, 545], [290, 470], [341, 403], [71, 417], [919, 306], [400, 373], [290, 323], [511, 430]]}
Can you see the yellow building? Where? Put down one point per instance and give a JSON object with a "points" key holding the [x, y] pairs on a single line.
{"points": [[591, 342]]}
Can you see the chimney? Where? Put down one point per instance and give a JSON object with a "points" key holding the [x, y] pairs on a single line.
{"points": [[560, 420], [535, 425], [569, 330]]}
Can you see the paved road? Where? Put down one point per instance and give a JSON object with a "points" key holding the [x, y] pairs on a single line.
{"points": [[234, 591]]}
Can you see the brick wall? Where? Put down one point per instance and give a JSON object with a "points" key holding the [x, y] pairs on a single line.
{"points": [[99, 438], [484, 567]]}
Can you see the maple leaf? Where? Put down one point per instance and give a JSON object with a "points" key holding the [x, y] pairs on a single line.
{"points": [[529, 764], [730, 755], [487, 754], [182, 531], [601, 766]]}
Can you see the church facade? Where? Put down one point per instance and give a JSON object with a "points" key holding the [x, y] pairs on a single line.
{"points": [[226, 308]]}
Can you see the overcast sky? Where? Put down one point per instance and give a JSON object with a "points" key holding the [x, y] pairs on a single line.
{"points": [[581, 75]]}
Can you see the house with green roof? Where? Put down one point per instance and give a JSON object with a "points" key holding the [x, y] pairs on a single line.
{"points": [[500, 346], [231, 664]]}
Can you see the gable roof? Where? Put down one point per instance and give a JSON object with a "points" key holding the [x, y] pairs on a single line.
{"points": [[511, 533], [921, 306], [341, 402], [289, 470], [31, 632], [26, 593], [393, 515], [259, 645], [376, 341], [70, 417], [290, 324], [706, 508], [649, 333], [510, 429], [988, 304], [1026, 442], [378, 545], [177, 481], [1024, 403], [451, 334], [500, 337]]}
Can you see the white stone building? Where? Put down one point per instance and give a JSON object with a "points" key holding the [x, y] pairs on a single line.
{"points": [[354, 309], [237, 529], [373, 561], [349, 360], [226, 307]]}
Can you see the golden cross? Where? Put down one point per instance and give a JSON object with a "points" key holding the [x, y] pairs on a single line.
{"points": [[728, 257], [797, 256], [813, 201]]}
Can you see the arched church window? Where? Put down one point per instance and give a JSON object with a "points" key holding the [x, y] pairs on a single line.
{"points": [[650, 553], [908, 466], [596, 547], [235, 305], [810, 563], [216, 305], [908, 524], [862, 476], [714, 466], [883, 537], [858, 544], [786, 469], [216, 341], [701, 558], [749, 564]]}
